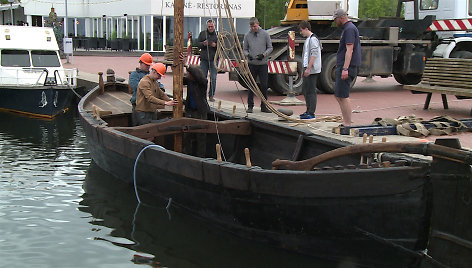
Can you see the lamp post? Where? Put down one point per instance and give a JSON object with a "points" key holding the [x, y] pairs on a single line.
{"points": [[65, 21], [11, 10]]}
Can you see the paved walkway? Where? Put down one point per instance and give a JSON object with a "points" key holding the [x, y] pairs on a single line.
{"points": [[370, 98]]}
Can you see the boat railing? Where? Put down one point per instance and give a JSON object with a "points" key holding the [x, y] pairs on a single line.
{"points": [[30, 76]]}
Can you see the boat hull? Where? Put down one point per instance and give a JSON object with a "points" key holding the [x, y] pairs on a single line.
{"points": [[43, 101], [323, 213]]}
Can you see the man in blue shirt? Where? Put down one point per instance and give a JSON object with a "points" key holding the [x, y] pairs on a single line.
{"points": [[348, 60]]}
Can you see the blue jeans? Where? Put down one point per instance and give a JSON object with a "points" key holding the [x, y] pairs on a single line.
{"points": [[205, 65]]}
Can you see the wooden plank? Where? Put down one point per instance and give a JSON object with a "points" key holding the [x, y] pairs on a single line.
{"points": [[450, 60], [449, 84], [188, 125], [441, 90], [436, 72]]}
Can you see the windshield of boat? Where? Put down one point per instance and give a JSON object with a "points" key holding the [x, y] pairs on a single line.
{"points": [[44, 58], [15, 58]]}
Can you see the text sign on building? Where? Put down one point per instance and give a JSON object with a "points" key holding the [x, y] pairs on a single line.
{"points": [[238, 8], [67, 45]]}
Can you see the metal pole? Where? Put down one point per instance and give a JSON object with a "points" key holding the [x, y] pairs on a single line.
{"points": [[11, 11], [65, 29], [65, 21]]}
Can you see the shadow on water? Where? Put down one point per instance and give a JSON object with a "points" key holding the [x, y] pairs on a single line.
{"points": [[49, 134], [174, 238]]}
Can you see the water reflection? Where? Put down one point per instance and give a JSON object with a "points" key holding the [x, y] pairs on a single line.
{"points": [[50, 134], [179, 241]]}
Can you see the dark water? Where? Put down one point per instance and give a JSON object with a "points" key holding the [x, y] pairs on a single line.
{"points": [[58, 209]]}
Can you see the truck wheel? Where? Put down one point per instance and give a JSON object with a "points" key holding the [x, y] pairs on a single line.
{"points": [[407, 79], [327, 79], [279, 82], [461, 54]]}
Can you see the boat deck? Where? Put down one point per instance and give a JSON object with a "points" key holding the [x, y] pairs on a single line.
{"points": [[116, 102]]}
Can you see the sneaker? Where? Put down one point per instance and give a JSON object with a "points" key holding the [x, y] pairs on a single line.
{"points": [[307, 116], [305, 113], [265, 110], [249, 110], [211, 98]]}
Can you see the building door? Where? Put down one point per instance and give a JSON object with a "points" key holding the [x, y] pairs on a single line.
{"points": [[37, 21]]}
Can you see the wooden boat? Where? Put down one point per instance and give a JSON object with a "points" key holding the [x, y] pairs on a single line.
{"points": [[32, 78], [385, 211]]}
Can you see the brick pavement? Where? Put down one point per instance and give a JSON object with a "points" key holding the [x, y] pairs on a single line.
{"points": [[378, 98]]}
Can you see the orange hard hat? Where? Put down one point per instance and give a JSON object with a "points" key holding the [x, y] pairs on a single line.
{"points": [[146, 58], [160, 68]]}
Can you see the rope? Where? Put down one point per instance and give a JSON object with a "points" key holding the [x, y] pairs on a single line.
{"points": [[232, 38], [135, 165]]}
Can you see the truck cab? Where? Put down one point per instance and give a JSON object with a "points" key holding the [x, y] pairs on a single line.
{"points": [[452, 25]]}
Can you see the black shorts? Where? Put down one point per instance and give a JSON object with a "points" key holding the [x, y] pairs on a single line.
{"points": [[343, 87]]}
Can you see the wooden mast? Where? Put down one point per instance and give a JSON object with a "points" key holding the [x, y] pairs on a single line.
{"points": [[177, 69]]}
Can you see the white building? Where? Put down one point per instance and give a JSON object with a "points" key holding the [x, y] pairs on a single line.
{"points": [[149, 22]]}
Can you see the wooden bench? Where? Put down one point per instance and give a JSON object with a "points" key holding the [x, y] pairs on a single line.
{"points": [[446, 77]]}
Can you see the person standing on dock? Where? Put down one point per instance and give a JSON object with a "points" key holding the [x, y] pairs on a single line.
{"points": [[311, 68], [348, 60], [257, 46], [207, 43], [150, 97], [145, 62]]}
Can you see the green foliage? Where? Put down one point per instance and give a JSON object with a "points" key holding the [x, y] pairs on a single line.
{"points": [[114, 35], [270, 12], [374, 9]]}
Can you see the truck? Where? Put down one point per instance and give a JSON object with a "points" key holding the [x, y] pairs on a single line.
{"points": [[390, 46]]}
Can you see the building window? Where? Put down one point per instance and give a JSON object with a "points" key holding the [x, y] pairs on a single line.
{"points": [[191, 24], [158, 36]]}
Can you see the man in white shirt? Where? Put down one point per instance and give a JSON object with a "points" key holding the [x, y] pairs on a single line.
{"points": [[311, 68]]}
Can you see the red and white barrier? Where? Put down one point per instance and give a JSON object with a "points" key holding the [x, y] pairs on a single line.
{"points": [[275, 67], [282, 67], [192, 60], [451, 25]]}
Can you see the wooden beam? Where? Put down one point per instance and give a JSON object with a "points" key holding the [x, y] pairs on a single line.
{"points": [[188, 125], [177, 69]]}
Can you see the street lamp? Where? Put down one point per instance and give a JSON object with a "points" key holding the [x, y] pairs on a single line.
{"points": [[11, 10]]}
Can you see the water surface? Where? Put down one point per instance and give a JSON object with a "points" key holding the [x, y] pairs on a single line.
{"points": [[59, 209]]}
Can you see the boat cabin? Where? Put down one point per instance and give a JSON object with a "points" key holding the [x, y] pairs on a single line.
{"points": [[29, 56]]}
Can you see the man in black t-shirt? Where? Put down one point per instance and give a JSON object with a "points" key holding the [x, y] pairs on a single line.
{"points": [[348, 60]]}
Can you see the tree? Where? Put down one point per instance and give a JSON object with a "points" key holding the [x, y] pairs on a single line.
{"points": [[270, 12], [373, 9]]}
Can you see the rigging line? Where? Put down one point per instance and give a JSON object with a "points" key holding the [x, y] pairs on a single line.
{"points": [[249, 79]]}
